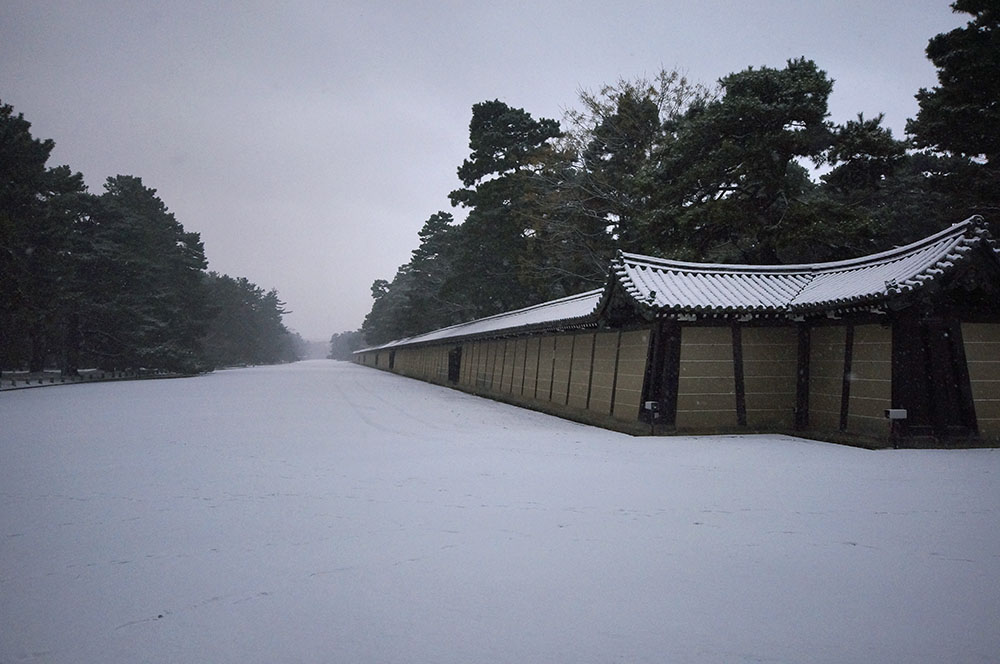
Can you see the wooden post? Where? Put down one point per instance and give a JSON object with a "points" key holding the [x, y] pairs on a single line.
{"points": [[738, 379], [845, 388], [802, 379]]}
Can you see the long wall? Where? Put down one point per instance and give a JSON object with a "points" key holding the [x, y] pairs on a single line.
{"points": [[727, 379], [839, 376], [595, 372]]}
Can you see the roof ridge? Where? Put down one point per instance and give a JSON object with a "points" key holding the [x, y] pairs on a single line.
{"points": [[975, 223], [809, 278], [655, 286], [956, 253]]}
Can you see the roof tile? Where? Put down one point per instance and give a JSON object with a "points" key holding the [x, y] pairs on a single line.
{"points": [[664, 287]]}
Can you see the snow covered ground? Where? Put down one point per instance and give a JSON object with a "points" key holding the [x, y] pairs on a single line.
{"points": [[323, 512]]}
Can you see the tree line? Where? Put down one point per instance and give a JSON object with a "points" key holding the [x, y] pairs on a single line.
{"points": [[748, 171], [113, 280]]}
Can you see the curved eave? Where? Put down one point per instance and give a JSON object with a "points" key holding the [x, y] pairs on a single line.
{"points": [[615, 289], [651, 288], [662, 288], [974, 226]]}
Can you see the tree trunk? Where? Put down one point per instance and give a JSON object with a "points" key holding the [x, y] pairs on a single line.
{"points": [[38, 348], [71, 346]]}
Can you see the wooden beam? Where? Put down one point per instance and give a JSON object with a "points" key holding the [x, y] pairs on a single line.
{"points": [[614, 375], [569, 371], [671, 374], [802, 378], [590, 373], [738, 378], [961, 364], [845, 389]]}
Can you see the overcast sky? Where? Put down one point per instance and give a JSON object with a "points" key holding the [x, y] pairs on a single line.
{"points": [[308, 141]]}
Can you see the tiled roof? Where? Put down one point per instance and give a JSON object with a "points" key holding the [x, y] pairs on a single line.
{"points": [[568, 311], [660, 286]]}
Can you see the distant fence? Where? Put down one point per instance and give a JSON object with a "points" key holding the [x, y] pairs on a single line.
{"points": [[20, 381]]}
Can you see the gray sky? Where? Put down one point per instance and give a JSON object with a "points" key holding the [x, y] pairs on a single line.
{"points": [[308, 141]]}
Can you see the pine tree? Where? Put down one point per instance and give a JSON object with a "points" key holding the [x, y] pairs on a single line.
{"points": [[503, 191], [959, 118]]}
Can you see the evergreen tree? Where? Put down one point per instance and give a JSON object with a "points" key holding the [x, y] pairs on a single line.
{"points": [[864, 154], [729, 183], [38, 208], [392, 315], [416, 300], [598, 184], [343, 345], [678, 170], [959, 118], [962, 113], [145, 303], [112, 279], [616, 138], [503, 191], [431, 266], [246, 324], [876, 196]]}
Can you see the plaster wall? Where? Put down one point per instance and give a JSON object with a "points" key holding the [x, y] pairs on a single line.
{"points": [[826, 376], [632, 352], [706, 384], [982, 352], [871, 380], [770, 365]]}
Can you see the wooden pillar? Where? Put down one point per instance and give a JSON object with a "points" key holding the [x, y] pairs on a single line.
{"points": [[590, 372], [524, 366], [569, 371], [802, 379], [538, 366], [671, 374], [552, 376], [845, 389], [961, 368], [738, 379], [614, 376], [651, 383], [663, 372]]}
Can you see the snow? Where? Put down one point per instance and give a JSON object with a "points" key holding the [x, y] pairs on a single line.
{"points": [[670, 284], [566, 309], [325, 512]]}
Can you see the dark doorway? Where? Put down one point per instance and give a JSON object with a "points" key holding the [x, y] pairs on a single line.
{"points": [[663, 374], [454, 364], [930, 378]]}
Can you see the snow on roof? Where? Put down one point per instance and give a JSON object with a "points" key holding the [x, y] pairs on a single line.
{"points": [[660, 285], [657, 286], [568, 311]]}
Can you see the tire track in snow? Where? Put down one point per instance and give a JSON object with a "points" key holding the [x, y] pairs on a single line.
{"points": [[365, 410]]}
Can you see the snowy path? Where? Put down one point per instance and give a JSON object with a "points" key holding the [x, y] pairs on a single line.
{"points": [[322, 512]]}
